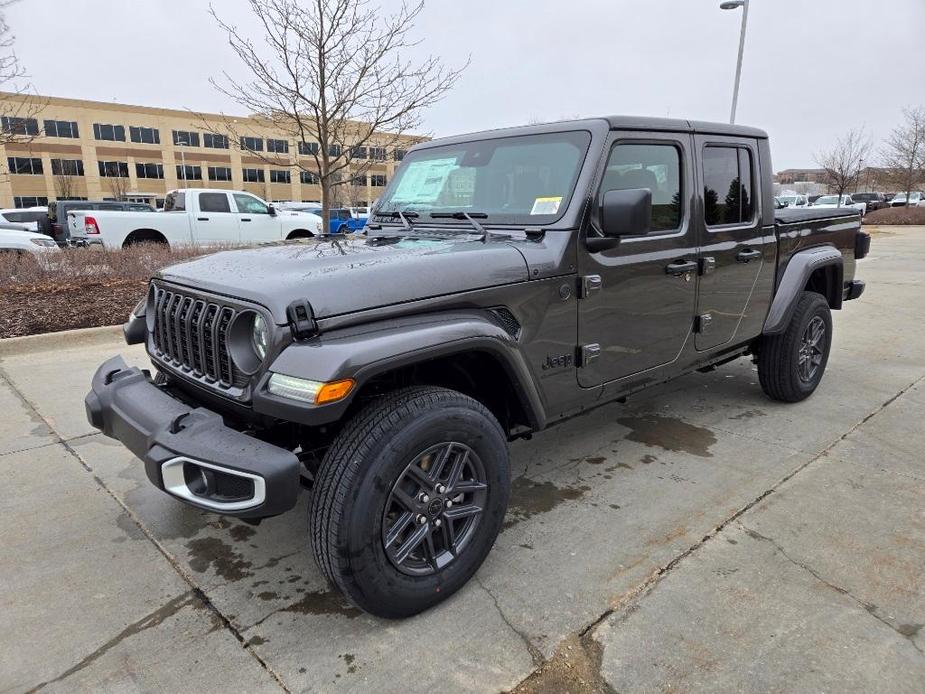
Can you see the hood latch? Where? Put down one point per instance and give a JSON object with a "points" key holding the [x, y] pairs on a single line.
{"points": [[301, 319]]}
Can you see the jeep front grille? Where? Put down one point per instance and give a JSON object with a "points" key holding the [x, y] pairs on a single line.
{"points": [[191, 335]]}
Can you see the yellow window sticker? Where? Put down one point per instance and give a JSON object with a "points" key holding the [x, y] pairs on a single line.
{"points": [[546, 205]]}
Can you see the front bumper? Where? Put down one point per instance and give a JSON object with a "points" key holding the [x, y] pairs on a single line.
{"points": [[188, 452]]}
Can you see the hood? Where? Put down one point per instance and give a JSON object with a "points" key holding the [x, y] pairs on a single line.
{"points": [[343, 275]]}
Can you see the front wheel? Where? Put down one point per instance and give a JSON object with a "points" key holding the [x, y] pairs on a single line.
{"points": [[790, 365], [409, 500]]}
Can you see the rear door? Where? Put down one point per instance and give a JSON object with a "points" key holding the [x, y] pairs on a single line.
{"points": [[733, 248], [215, 221], [639, 297]]}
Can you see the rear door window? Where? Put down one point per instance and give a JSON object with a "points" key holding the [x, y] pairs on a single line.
{"points": [[214, 202], [727, 185]]}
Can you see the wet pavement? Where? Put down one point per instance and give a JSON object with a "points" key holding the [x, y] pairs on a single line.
{"points": [[698, 537]]}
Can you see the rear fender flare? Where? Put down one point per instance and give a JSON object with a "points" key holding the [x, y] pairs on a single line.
{"points": [[799, 269]]}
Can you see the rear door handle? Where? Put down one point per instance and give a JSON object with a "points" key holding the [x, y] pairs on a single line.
{"points": [[748, 255], [245, 219], [681, 267], [202, 219]]}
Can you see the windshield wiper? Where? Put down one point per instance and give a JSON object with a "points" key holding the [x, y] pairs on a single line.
{"points": [[469, 217], [402, 215]]}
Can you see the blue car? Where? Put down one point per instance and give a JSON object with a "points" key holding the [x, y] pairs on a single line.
{"points": [[342, 219]]}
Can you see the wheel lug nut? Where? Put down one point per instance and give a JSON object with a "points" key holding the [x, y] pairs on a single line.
{"points": [[438, 523], [449, 503], [440, 489], [424, 498], [421, 519]]}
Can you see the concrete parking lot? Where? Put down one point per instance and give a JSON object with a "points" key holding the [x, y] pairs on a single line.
{"points": [[698, 537]]}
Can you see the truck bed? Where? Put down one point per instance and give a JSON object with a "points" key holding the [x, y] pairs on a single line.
{"points": [[795, 216]]}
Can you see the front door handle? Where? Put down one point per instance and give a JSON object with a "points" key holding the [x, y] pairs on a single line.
{"points": [[748, 255], [681, 267], [245, 219], [202, 219]]}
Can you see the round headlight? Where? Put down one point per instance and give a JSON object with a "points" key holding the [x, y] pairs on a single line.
{"points": [[260, 336]]}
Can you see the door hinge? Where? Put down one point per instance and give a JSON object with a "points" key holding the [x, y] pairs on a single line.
{"points": [[587, 354], [702, 322], [589, 285], [707, 265]]}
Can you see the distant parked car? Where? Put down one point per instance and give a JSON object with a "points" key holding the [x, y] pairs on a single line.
{"points": [[916, 199], [343, 219], [58, 209], [889, 196], [15, 239], [33, 217], [812, 199], [794, 200], [875, 201], [846, 201]]}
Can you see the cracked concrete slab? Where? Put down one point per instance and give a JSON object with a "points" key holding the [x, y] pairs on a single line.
{"points": [[77, 575], [21, 428]]}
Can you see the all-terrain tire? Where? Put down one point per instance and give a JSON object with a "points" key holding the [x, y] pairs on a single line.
{"points": [[354, 489], [779, 360]]}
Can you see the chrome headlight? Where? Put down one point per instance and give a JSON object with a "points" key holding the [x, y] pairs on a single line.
{"points": [[260, 336]]}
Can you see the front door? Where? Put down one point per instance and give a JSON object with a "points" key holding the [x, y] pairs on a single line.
{"points": [[733, 247], [639, 297], [256, 222]]}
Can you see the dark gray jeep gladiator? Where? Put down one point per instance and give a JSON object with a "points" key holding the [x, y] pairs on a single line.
{"points": [[507, 280]]}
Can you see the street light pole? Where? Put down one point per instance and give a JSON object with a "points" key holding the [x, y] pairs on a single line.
{"points": [[732, 5]]}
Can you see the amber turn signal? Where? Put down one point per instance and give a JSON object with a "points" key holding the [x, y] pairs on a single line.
{"points": [[335, 390]]}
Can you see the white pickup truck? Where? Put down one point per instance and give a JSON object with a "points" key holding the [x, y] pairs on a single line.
{"points": [[194, 216]]}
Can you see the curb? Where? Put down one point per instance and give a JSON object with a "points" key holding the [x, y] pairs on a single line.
{"points": [[66, 339]]}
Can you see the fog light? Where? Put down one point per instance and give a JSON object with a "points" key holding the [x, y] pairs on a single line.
{"points": [[304, 390]]}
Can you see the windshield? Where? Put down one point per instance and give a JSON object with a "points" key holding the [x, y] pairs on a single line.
{"points": [[788, 199], [863, 196], [517, 180], [827, 200]]}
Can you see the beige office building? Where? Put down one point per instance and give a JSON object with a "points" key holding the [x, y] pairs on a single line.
{"points": [[95, 150]]}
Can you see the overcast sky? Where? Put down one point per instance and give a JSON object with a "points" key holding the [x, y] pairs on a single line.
{"points": [[813, 68]]}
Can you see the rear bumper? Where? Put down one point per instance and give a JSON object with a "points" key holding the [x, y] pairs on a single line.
{"points": [[188, 452]]}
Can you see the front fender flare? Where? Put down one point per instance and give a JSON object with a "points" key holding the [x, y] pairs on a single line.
{"points": [[366, 351], [799, 269]]}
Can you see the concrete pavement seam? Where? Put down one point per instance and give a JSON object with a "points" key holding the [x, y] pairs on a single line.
{"points": [[868, 607], [148, 534]]}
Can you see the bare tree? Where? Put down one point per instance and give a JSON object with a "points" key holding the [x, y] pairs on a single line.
{"points": [[18, 103], [118, 186], [903, 153], [842, 163], [333, 74], [65, 185]]}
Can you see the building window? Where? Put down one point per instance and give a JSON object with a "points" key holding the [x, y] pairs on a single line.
{"points": [[151, 170], [104, 131], [252, 144], [309, 148], [334, 150], [308, 177], [214, 141], [358, 152], [377, 180], [358, 180], [25, 165], [185, 138], [61, 128], [19, 126], [67, 167], [147, 136], [377, 153], [30, 201], [113, 169], [219, 173], [189, 172], [727, 186], [399, 154], [278, 146], [279, 176], [252, 175]]}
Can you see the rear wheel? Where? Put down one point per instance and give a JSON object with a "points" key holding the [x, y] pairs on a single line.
{"points": [[409, 500], [144, 236], [791, 365]]}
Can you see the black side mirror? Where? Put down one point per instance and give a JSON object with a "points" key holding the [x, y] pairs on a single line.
{"points": [[271, 210], [623, 213]]}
